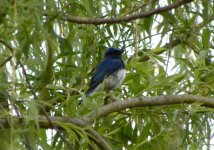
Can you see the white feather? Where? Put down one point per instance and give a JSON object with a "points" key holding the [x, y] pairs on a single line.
{"points": [[112, 81]]}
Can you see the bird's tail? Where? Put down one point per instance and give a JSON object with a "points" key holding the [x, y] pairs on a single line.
{"points": [[87, 93]]}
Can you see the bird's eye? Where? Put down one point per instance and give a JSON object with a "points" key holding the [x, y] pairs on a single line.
{"points": [[114, 53]]}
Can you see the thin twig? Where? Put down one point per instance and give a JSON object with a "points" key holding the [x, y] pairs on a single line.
{"points": [[141, 6], [8, 59], [26, 140], [28, 81], [7, 45], [11, 50]]}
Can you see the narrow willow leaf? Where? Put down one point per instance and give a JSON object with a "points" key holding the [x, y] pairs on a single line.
{"points": [[206, 38]]}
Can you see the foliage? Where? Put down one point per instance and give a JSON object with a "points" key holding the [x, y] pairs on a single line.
{"points": [[47, 60]]}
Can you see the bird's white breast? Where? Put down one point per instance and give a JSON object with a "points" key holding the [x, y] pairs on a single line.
{"points": [[112, 81], [115, 79], [120, 76]]}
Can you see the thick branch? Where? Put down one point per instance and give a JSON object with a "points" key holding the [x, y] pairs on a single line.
{"points": [[147, 101], [122, 105], [115, 107], [98, 139], [125, 104], [97, 21]]}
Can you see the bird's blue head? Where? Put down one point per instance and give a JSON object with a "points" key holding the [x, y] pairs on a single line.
{"points": [[113, 53]]}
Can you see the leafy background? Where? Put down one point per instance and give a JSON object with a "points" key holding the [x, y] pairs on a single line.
{"points": [[48, 60]]}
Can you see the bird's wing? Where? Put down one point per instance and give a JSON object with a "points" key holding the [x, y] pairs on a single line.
{"points": [[106, 67]]}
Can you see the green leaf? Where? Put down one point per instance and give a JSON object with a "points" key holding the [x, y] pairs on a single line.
{"points": [[206, 38], [170, 18], [147, 24], [205, 11]]}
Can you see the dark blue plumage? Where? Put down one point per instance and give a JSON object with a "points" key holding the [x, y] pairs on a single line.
{"points": [[111, 70]]}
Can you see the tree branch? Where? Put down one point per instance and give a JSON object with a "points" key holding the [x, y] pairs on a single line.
{"points": [[11, 50], [147, 101], [120, 105], [117, 106], [53, 122], [98, 139], [98, 21], [172, 44]]}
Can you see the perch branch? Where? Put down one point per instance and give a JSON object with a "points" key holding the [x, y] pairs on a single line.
{"points": [[88, 119], [120, 105], [147, 101]]}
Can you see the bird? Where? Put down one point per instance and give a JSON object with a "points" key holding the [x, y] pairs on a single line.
{"points": [[109, 74]]}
